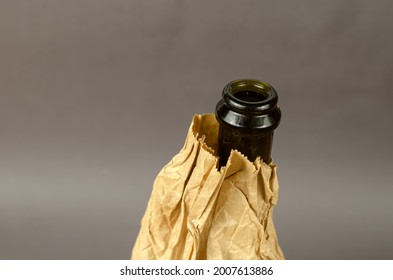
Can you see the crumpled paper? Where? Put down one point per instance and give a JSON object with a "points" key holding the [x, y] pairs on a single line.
{"points": [[198, 212]]}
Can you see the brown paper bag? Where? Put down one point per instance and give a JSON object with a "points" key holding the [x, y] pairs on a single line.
{"points": [[198, 212]]}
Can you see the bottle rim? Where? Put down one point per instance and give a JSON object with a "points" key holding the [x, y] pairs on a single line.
{"points": [[264, 96]]}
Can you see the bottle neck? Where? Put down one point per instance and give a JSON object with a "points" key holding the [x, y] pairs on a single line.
{"points": [[247, 115]]}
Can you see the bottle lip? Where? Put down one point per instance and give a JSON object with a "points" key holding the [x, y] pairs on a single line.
{"points": [[267, 102]]}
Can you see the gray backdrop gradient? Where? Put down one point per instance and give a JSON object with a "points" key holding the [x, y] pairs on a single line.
{"points": [[97, 96]]}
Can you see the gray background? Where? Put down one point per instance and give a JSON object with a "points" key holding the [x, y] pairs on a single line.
{"points": [[97, 96]]}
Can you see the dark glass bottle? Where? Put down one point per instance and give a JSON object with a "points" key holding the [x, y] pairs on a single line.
{"points": [[247, 114]]}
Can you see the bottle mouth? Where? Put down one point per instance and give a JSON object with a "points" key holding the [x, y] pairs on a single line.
{"points": [[250, 96]]}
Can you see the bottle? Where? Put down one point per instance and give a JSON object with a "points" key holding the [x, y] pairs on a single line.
{"points": [[247, 115]]}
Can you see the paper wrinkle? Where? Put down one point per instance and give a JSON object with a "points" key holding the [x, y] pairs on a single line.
{"points": [[199, 212]]}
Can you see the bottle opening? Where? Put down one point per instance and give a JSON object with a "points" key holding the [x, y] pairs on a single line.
{"points": [[250, 96]]}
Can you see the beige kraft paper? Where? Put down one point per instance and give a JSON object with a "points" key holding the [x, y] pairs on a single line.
{"points": [[198, 212]]}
